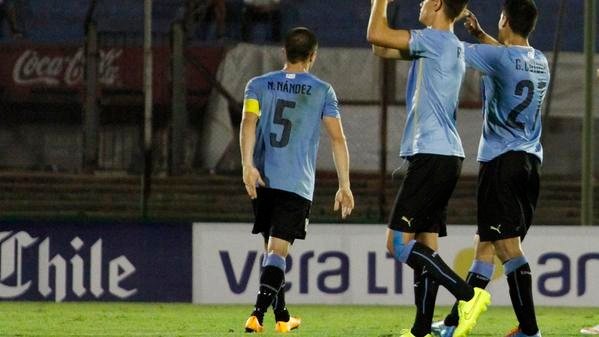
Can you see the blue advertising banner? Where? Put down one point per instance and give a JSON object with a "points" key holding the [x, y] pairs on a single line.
{"points": [[95, 261], [349, 264]]}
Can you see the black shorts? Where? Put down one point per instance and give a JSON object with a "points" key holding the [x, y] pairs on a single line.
{"points": [[421, 203], [280, 214], [508, 190]]}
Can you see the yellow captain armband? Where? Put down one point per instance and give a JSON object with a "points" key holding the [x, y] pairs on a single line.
{"points": [[252, 105]]}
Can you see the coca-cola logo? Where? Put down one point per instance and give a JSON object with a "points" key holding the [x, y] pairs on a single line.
{"points": [[34, 68]]}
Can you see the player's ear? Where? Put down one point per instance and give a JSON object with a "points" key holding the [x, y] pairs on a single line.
{"points": [[313, 56], [284, 54], [503, 21], [438, 5]]}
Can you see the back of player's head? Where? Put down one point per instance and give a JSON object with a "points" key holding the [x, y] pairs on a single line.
{"points": [[300, 42], [522, 16], [453, 8]]}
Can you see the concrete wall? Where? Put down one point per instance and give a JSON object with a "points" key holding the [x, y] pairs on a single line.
{"points": [[52, 146], [562, 144]]}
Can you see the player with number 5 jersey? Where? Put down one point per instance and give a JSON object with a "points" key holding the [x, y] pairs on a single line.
{"points": [[280, 132], [291, 107]]}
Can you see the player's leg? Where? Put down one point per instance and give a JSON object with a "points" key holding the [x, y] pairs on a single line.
{"points": [[418, 284], [279, 305], [479, 276], [429, 182], [272, 284], [425, 290], [429, 178], [472, 301], [517, 185], [271, 279], [291, 221], [519, 277], [283, 216]]}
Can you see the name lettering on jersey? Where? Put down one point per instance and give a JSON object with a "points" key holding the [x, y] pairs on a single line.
{"points": [[530, 66], [291, 88]]}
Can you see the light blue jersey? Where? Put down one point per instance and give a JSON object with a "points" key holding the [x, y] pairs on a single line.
{"points": [[291, 106], [432, 94], [515, 80]]}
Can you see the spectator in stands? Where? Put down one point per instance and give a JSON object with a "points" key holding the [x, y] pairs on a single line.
{"points": [[204, 12], [261, 10], [8, 12], [218, 11]]}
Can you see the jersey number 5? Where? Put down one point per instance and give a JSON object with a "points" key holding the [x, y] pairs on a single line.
{"points": [[280, 120]]}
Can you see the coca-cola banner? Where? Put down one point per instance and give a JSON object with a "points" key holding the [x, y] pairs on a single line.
{"points": [[95, 261], [34, 67]]}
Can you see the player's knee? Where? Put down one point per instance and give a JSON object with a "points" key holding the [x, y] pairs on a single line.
{"points": [[513, 264], [508, 249], [275, 260], [484, 251], [483, 268], [390, 248], [397, 247]]}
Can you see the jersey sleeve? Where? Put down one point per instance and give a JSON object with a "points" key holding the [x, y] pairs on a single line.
{"points": [[250, 98], [483, 57], [422, 43], [331, 105]]}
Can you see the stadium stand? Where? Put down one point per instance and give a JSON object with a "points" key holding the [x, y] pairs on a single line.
{"points": [[60, 24], [336, 23], [222, 198]]}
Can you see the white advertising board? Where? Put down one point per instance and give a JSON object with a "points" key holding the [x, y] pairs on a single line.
{"points": [[348, 264]]}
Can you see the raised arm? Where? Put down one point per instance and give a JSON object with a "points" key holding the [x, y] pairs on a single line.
{"points": [[390, 53], [381, 35], [344, 198], [471, 24]]}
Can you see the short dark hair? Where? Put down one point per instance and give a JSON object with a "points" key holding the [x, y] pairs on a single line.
{"points": [[300, 42], [453, 8], [522, 16]]}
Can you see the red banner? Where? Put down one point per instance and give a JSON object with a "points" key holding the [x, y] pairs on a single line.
{"points": [[27, 69]]}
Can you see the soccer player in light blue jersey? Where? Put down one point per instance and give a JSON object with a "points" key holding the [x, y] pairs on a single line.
{"points": [[280, 132], [514, 82], [432, 146]]}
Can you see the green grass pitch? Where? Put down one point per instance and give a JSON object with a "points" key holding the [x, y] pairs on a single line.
{"points": [[169, 320]]}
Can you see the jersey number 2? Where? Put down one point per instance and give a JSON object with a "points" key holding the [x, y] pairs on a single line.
{"points": [[280, 120], [530, 87]]}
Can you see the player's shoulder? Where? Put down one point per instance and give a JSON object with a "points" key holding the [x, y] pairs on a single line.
{"points": [[436, 34], [527, 51], [539, 55], [318, 82], [487, 49], [265, 77], [433, 40], [533, 56]]}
